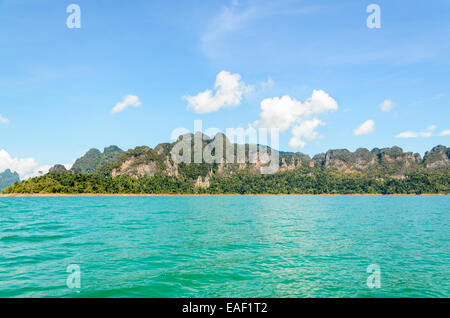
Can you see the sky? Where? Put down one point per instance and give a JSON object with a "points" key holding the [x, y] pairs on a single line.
{"points": [[135, 71]]}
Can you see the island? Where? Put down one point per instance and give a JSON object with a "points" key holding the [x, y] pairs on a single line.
{"points": [[144, 170]]}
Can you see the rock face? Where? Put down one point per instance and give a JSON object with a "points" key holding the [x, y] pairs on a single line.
{"points": [[140, 162], [94, 158], [344, 160], [396, 154], [133, 168], [171, 168], [202, 182], [363, 159], [8, 178], [291, 161], [438, 157]]}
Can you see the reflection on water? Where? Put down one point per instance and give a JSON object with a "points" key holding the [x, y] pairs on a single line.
{"points": [[252, 246]]}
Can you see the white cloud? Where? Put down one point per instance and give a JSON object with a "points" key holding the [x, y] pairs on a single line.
{"points": [[280, 113], [305, 131], [229, 89], [25, 167], [413, 134], [387, 105], [417, 134], [286, 112], [365, 128], [4, 120], [283, 112], [128, 100], [445, 132]]}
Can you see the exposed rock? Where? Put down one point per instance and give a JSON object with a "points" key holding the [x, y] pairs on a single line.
{"points": [[438, 157], [171, 169], [363, 159], [286, 167], [202, 182], [396, 154], [132, 167]]}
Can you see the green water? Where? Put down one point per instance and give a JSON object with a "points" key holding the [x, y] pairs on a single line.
{"points": [[261, 246]]}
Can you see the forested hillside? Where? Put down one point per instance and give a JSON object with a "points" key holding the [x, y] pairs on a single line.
{"points": [[146, 170]]}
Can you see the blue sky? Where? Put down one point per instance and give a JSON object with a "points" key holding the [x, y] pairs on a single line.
{"points": [[58, 86]]}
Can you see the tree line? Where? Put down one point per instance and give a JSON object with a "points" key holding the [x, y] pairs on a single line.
{"points": [[299, 181]]}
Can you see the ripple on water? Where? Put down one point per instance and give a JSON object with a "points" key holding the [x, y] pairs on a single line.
{"points": [[225, 246]]}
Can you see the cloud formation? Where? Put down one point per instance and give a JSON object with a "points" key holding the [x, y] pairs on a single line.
{"points": [[4, 120], [305, 132], [445, 132], [286, 112], [282, 112], [387, 105], [365, 128], [128, 100], [417, 134], [413, 134], [229, 89], [25, 167]]}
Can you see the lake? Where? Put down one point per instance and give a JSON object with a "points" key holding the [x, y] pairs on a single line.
{"points": [[225, 246]]}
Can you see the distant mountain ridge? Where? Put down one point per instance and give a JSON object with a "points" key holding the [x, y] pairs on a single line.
{"points": [[145, 161], [8, 178], [94, 158], [147, 170]]}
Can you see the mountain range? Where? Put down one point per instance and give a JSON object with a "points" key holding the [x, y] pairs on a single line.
{"points": [[146, 162], [8, 178], [147, 170]]}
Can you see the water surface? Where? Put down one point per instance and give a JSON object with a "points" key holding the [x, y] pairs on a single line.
{"points": [[229, 246]]}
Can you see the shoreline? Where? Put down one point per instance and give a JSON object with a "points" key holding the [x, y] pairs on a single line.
{"points": [[43, 195]]}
